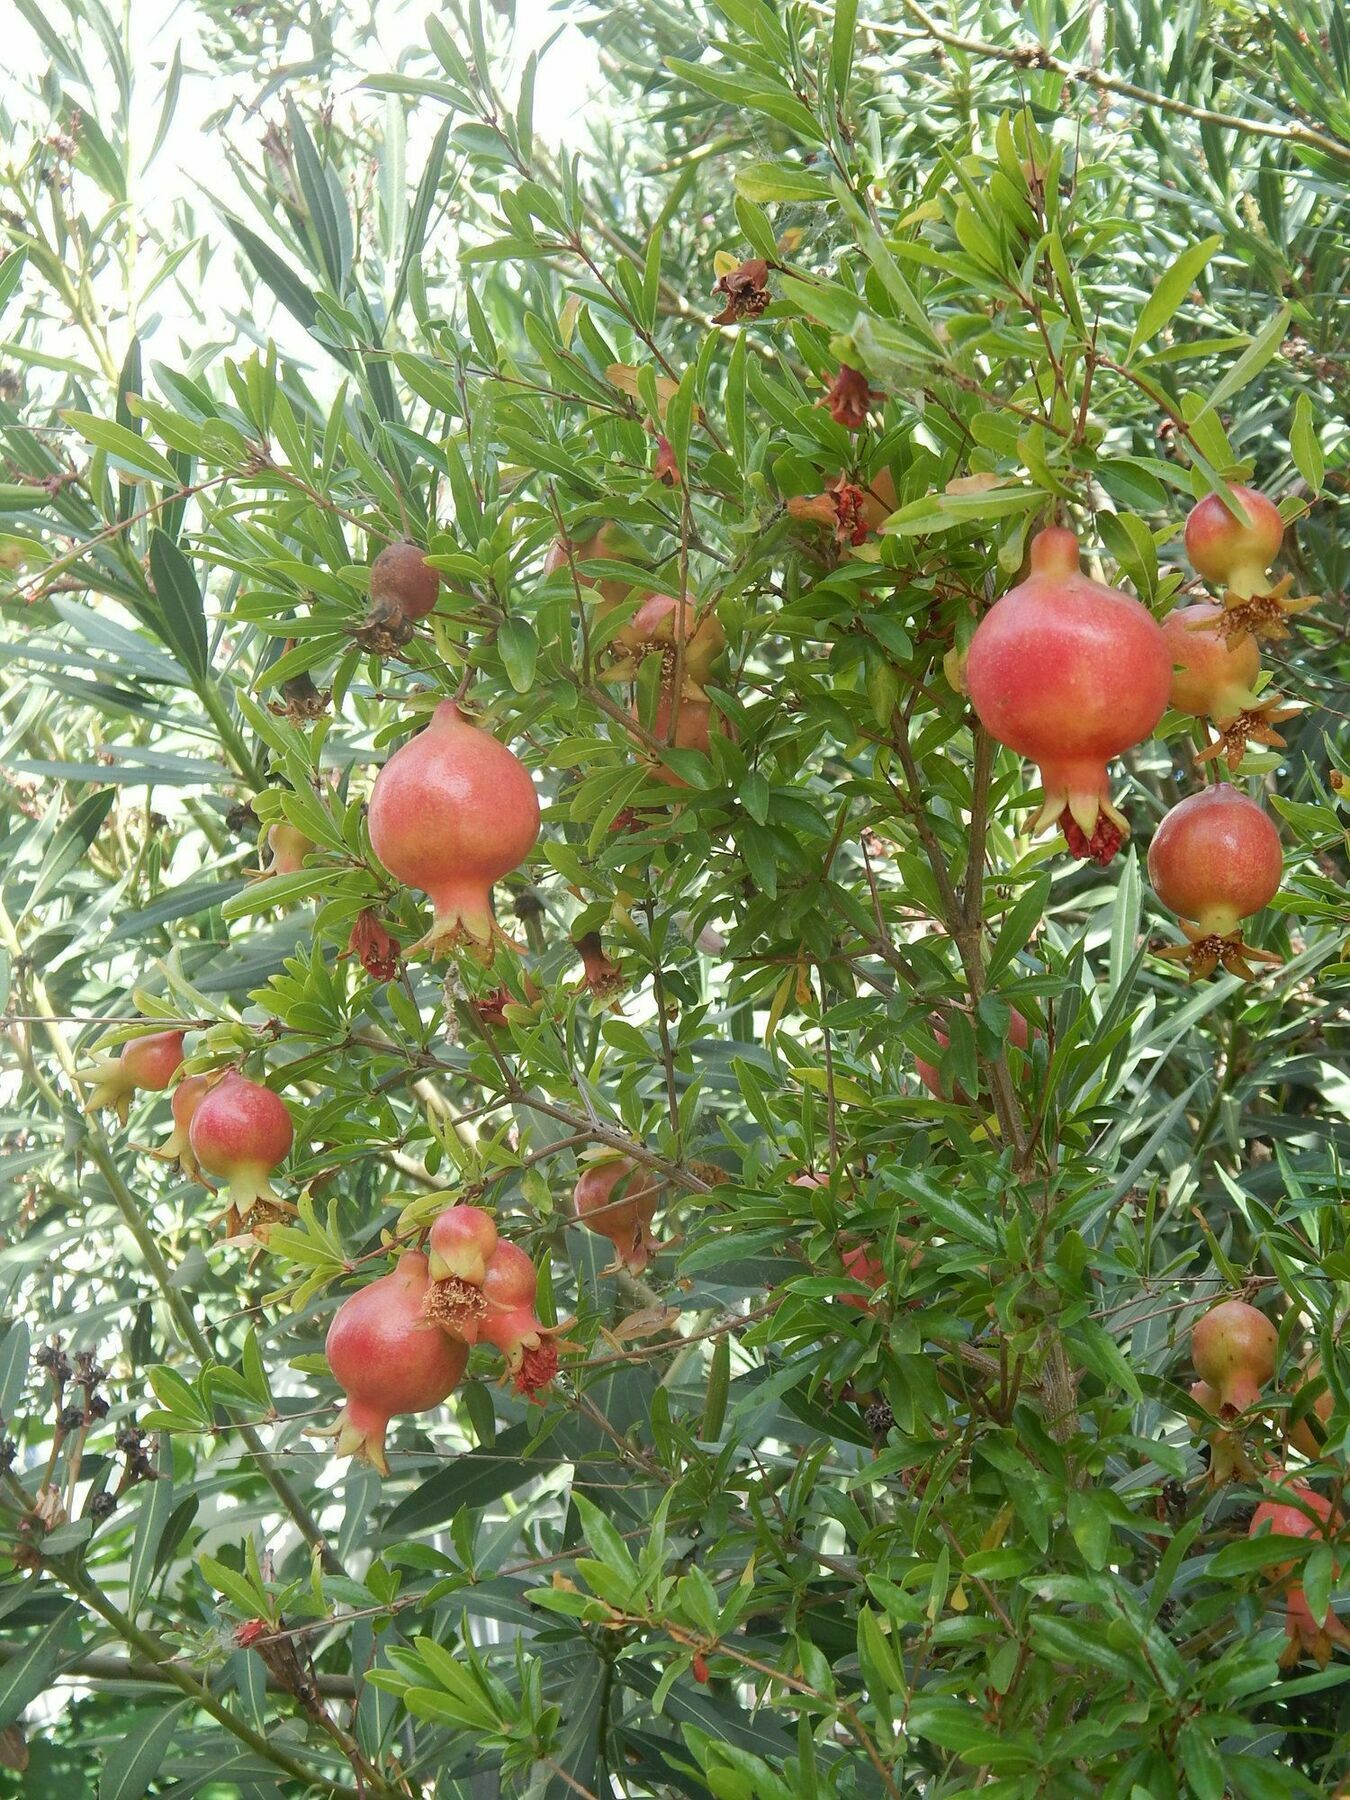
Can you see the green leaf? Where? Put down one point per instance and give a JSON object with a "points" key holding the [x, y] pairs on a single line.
{"points": [[29, 1671], [1305, 445], [182, 612], [471, 1481], [127, 448], [138, 1753], [70, 842], [1171, 292], [765, 182], [842, 35], [1258, 353]]}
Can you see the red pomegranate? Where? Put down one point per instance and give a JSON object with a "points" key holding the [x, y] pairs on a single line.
{"points": [[661, 624], [461, 1244], [451, 813], [1019, 1035], [148, 1063], [288, 847], [387, 1359], [401, 579], [607, 544], [184, 1101], [241, 1131], [510, 1322], [860, 1265], [1298, 1511], [1233, 1350], [1213, 677], [1216, 860], [1069, 673], [617, 1198], [1236, 556], [695, 721]]}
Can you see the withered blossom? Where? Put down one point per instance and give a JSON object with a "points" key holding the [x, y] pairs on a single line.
{"points": [[849, 398], [744, 290]]}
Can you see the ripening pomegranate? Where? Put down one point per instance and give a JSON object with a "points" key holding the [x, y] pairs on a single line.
{"points": [[401, 579], [1300, 1434], [1233, 1350], [1299, 1512], [1019, 1035], [605, 545], [1213, 677], [860, 1265], [1216, 860], [1235, 557], [1069, 673], [617, 1198], [184, 1101], [1228, 1460], [388, 1359], [241, 1130], [289, 847], [148, 1063], [696, 719], [510, 1322], [461, 1244], [451, 813], [657, 628]]}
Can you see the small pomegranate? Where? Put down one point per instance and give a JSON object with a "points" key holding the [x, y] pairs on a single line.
{"points": [[605, 545], [388, 1359], [1299, 1512], [451, 813], [1236, 556], [401, 579], [1300, 1434], [510, 1323], [599, 976], [288, 847], [461, 1244], [661, 626], [617, 1198], [1019, 1035], [695, 721], [1233, 1350], [1214, 678], [1069, 673], [1216, 860], [860, 1265], [184, 1101], [149, 1063], [241, 1130], [1228, 1460]]}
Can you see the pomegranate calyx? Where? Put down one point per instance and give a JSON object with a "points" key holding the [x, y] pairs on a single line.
{"points": [[1254, 724], [1205, 951], [1264, 615], [457, 1306], [1101, 846]]}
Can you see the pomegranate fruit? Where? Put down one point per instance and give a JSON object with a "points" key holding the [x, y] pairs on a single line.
{"points": [[1236, 556], [1228, 1460], [605, 545], [461, 1244], [617, 1198], [183, 1102], [1300, 1433], [1019, 1034], [241, 1131], [387, 1359], [1070, 673], [671, 629], [288, 847], [402, 580], [148, 1063], [510, 1324], [451, 813], [695, 721], [1213, 677], [1216, 860], [1298, 1511], [1233, 1351], [860, 1265]]}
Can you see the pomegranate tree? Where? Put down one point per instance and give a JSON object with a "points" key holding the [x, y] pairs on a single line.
{"points": [[1214, 677], [1233, 1351], [451, 813], [617, 1198], [1298, 1511], [241, 1131], [146, 1064], [1215, 860], [1069, 673], [1235, 554], [387, 1359]]}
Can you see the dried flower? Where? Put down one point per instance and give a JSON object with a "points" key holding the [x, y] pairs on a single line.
{"points": [[849, 398], [745, 292]]}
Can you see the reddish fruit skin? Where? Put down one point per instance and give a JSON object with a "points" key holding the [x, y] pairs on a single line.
{"points": [[1216, 858], [1282, 1518], [451, 813], [148, 1062], [1233, 1350], [657, 627], [510, 1324], [401, 577], [1019, 1035], [1211, 678], [1228, 553], [861, 1265], [1069, 673], [387, 1359], [241, 1131], [186, 1098], [695, 723], [601, 546], [289, 847], [617, 1198], [461, 1243]]}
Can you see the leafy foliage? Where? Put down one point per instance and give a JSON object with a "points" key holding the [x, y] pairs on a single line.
{"points": [[754, 1540]]}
